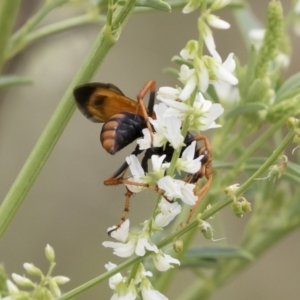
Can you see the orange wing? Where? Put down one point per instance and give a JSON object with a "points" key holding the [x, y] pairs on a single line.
{"points": [[100, 101]]}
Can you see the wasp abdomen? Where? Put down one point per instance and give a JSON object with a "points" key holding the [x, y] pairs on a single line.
{"points": [[121, 130]]}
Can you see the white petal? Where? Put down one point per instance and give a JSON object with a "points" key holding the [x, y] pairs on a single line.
{"points": [[185, 73], [191, 6], [170, 186], [203, 79], [145, 142], [121, 233], [168, 212], [163, 262], [167, 92], [12, 288], [224, 75], [121, 249], [188, 89], [216, 22], [135, 166], [187, 191], [143, 244], [173, 132], [229, 64], [189, 151], [115, 279], [150, 294]]}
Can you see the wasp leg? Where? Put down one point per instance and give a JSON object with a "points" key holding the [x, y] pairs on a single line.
{"points": [[128, 195], [117, 177], [205, 171], [150, 86]]}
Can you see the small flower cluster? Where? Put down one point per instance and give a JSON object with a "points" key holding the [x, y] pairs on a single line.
{"points": [[180, 110], [47, 288], [240, 205], [256, 36]]}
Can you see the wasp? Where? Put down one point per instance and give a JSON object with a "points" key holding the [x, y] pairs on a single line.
{"points": [[124, 119]]}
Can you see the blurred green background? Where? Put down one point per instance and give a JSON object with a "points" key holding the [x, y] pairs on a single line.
{"points": [[68, 206]]}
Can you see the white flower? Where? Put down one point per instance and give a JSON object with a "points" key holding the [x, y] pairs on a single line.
{"points": [[163, 262], [149, 293], [159, 166], [203, 76], [138, 174], [168, 211], [178, 189], [189, 78], [208, 37], [202, 114], [121, 249], [187, 163], [297, 7], [283, 60], [130, 243], [168, 92], [222, 71], [141, 274], [190, 51], [143, 244], [121, 234], [226, 92], [127, 296], [122, 292], [167, 129], [216, 22], [145, 142], [256, 36]]}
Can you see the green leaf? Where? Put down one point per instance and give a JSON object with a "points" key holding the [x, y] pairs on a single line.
{"points": [[172, 72], [155, 4], [287, 86], [218, 164], [291, 174], [210, 255], [246, 108], [288, 94], [14, 80]]}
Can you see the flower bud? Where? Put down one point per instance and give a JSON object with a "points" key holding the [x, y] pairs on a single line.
{"points": [[54, 288], [50, 255], [32, 270], [237, 209], [61, 279], [190, 50], [206, 229], [246, 206], [178, 246], [11, 287], [22, 281], [230, 190], [292, 122]]}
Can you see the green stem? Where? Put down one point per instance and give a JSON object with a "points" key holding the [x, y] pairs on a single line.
{"points": [[14, 80], [38, 157], [8, 14], [202, 290], [261, 140], [186, 230], [61, 26], [17, 41]]}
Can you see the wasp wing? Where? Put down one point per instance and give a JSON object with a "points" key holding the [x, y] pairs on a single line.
{"points": [[100, 101]]}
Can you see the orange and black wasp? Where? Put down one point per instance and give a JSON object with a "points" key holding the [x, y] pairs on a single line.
{"points": [[124, 119]]}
